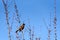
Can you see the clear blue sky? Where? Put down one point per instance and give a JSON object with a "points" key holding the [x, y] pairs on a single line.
{"points": [[35, 10]]}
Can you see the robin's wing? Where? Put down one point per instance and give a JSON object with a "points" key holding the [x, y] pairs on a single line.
{"points": [[21, 28]]}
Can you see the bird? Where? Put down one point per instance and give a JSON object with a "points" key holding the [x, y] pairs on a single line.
{"points": [[21, 28]]}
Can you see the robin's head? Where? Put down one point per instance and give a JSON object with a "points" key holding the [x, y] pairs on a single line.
{"points": [[23, 24]]}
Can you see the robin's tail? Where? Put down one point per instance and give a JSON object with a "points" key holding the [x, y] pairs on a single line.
{"points": [[17, 31]]}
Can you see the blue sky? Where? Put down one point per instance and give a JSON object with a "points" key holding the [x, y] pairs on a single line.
{"points": [[35, 10]]}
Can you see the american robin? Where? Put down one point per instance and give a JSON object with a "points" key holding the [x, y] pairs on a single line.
{"points": [[21, 28]]}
